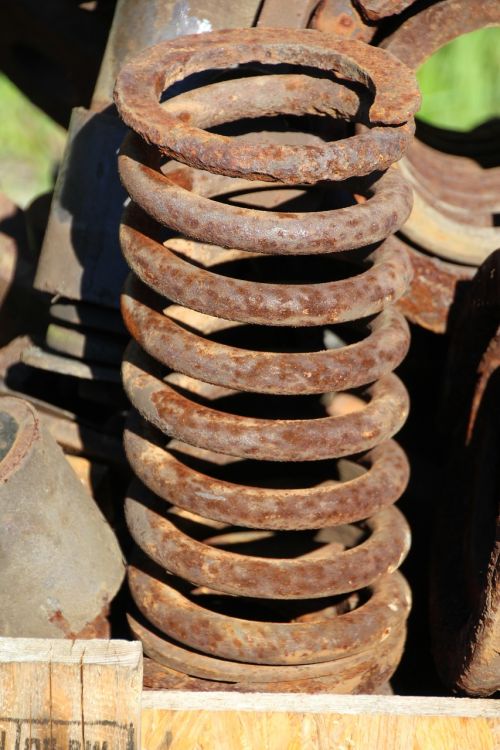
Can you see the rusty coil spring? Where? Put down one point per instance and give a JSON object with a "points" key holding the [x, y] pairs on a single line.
{"points": [[311, 561]]}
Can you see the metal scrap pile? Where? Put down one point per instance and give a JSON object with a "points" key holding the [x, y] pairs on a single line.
{"points": [[253, 209]]}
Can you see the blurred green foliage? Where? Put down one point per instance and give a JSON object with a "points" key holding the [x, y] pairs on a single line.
{"points": [[31, 146], [460, 83]]}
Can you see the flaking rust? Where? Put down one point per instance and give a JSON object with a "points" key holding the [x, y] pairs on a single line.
{"points": [[281, 556]]}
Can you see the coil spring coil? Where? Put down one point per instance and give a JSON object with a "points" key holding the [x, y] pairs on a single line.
{"points": [[184, 378]]}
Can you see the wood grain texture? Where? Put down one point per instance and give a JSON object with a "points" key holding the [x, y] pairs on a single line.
{"points": [[86, 695], [69, 695], [182, 720]]}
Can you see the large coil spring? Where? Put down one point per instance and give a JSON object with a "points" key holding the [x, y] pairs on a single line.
{"points": [[282, 559]]}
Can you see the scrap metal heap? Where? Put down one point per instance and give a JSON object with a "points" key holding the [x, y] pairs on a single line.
{"points": [[455, 176], [282, 560]]}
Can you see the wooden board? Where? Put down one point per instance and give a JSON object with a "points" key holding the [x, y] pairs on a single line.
{"points": [[86, 695], [228, 721], [69, 695]]}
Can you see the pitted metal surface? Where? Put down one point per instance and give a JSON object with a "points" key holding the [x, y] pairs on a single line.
{"points": [[243, 374], [322, 635], [141, 82]]}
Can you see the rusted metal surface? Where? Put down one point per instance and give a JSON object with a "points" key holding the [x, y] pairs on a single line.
{"points": [[361, 673], [465, 583], [295, 15], [179, 545], [357, 494], [455, 197], [341, 17], [433, 289], [320, 636], [197, 372], [51, 586], [291, 233], [159, 677], [375, 10], [201, 424], [142, 80]]}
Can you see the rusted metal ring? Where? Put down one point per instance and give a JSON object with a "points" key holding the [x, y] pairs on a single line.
{"points": [[26, 432], [249, 229], [312, 507], [265, 439], [444, 235], [328, 636], [141, 82], [269, 304], [419, 36], [183, 350], [212, 105], [416, 39], [372, 681], [351, 669], [154, 528]]}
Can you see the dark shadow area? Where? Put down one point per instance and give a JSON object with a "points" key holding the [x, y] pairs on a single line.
{"points": [[52, 50]]}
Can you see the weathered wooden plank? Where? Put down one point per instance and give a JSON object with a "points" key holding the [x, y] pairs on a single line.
{"points": [[229, 721], [69, 695], [86, 695]]}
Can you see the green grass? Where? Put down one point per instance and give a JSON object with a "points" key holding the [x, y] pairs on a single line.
{"points": [[461, 83], [31, 146]]}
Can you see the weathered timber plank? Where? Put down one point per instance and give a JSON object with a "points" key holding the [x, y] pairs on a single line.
{"points": [[69, 695], [182, 720], [86, 695]]}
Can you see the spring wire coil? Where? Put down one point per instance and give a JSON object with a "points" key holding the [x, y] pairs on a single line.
{"points": [[326, 577]]}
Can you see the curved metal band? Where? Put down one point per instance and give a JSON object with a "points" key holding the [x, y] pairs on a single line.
{"points": [[265, 439], [142, 81], [308, 577], [264, 303], [262, 231], [185, 351], [352, 670], [314, 507], [372, 150], [326, 637], [415, 40]]}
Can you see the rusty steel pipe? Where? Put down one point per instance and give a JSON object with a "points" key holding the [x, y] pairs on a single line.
{"points": [[210, 406]]}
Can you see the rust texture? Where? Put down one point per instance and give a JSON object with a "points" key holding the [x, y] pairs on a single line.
{"points": [[343, 18], [455, 177], [375, 10], [262, 385]]}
